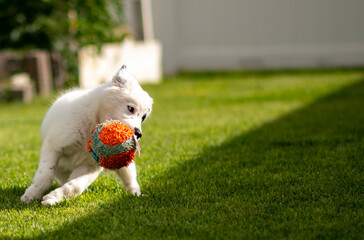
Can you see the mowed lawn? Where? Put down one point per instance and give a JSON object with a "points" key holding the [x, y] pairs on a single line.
{"points": [[257, 155]]}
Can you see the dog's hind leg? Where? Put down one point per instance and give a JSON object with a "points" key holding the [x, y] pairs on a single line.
{"points": [[79, 180], [44, 176], [128, 176]]}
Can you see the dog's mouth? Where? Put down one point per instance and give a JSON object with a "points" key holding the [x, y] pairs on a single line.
{"points": [[137, 146]]}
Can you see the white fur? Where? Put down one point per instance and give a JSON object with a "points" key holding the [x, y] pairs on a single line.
{"points": [[67, 127]]}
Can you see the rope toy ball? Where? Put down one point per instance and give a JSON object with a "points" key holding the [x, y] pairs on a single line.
{"points": [[112, 145]]}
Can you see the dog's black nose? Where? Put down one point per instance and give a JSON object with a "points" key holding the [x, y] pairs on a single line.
{"points": [[137, 133]]}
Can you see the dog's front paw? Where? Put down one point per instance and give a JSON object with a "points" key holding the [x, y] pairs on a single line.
{"points": [[30, 194], [49, 202], [134, 189], [26, 199], [51, 199]]}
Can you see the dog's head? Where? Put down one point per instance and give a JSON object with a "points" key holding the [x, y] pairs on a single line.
{"points": [[127, 101]]}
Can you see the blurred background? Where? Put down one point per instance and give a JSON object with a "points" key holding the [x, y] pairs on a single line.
{"points": [[51, 44]]}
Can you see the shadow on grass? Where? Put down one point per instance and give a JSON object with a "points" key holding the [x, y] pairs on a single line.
{"points": [[10, 197], [299, 176]]}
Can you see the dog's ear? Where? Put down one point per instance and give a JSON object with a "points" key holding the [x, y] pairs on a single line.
{"points": [[123, 78], [119, 79]]}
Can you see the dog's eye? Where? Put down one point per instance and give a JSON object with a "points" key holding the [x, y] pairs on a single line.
{"points": [[131, 109], [143, 118]]}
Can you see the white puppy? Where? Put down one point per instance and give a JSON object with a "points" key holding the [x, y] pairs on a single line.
{"points": [[67, 127]]}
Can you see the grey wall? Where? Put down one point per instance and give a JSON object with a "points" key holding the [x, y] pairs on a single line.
{"points": [[245, 34]]}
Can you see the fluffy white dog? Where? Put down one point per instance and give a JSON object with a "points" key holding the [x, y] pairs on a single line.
{"points": [[67, 127]]}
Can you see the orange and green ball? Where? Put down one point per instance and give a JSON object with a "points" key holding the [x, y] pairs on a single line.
{"points": [[112, 144]]}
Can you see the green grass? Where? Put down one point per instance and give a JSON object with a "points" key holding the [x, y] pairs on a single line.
{"points": [[261, 155]]}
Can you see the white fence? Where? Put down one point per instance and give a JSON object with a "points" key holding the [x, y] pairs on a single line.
{"points": [[142, 58]]}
